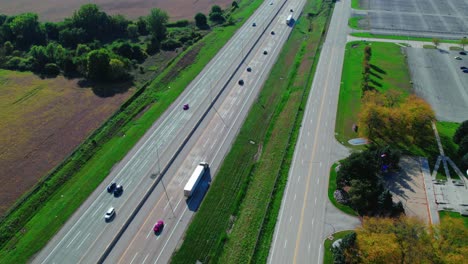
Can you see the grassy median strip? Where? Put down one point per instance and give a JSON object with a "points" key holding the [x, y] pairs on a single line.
{"points": [[388, 71], [370, 35], [227, 227], [44, 212]]}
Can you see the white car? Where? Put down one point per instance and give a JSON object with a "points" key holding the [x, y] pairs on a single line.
{"points": [[109, 214], [457, 58]]}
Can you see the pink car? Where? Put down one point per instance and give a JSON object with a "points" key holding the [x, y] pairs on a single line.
{"points": [[158, 226]]}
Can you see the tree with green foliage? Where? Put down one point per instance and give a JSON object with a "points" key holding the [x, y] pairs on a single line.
{"points": [[201, 21], [216, 14], [26, 30], [98, 64], [142, 25], [235, 4], [132, 31], [463, 42], [92, 20], [461, 132], [463, 146], [71, 37], [116, 70], [157, 21], [436, 42], [346, 247], [8, 48]]}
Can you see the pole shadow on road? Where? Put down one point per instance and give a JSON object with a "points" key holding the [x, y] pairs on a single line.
{"points": [[200, 191]]}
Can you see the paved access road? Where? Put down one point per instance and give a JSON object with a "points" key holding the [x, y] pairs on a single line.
{"points": [[301, 225], [86, 236]]}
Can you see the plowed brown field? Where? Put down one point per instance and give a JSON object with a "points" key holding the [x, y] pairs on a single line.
{"points": [[53, 10], [41, 122]]}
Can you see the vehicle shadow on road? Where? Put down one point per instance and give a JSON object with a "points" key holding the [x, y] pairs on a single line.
{"points": [[202, 188]]}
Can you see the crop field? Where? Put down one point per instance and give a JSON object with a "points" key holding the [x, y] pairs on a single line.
{"points": [[43, 120], [51, 10]]}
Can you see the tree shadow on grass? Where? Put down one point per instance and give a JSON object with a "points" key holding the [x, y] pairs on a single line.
{"points": [[109, 89], [375, 83], [377, 69], [373, 73]]}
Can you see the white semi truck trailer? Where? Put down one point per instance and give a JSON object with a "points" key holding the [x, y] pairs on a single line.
{"points": [[195, 178]]}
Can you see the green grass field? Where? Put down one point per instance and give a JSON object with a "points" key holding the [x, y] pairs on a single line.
{"points": [[331, 190], [389, 71], [370, 35], [353, 22], [328, 256], [63, 202], [355, 4], [216, 233], [446, 214]]}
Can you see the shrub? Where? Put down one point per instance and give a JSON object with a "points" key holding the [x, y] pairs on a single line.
{"points": [[170, 44], [51, 69]]}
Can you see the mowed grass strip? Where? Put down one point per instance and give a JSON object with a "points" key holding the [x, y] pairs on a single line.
{"points": [[388, 71], [242, 183], [447, 214], [370, 35], [54, 210]]}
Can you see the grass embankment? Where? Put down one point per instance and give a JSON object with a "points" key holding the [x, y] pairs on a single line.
{"points": [[42, 214], [331, 190], [388, 71], [446, 131], [235, 223], [446, 214], [328, 256], [355, 4], [353, 22], [370, 35]]}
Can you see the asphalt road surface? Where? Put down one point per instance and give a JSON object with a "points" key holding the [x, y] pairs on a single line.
{"points": [[86, 236], [299, 233]]}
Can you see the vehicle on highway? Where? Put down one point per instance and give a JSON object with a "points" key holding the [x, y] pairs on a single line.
{"points": [[249, 69], [465, 71], [272, 32], [158, 226], [109, 214], [195, 178], [118, 190], [290, 10], [457, 58], [290, 20], [265, 52], [463, 68], [241, 82], [254, 25], [185, 107], [462, 52], [111, 187]]}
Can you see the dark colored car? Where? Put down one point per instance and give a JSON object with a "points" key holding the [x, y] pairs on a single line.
{"points": [[254, 24], [111, 187], [186, 107], [158, 226], [462, 52], [249, 69], [272, 32], [265, 52], [465, 71], [241, 82], [463, 68], [118, 190]]}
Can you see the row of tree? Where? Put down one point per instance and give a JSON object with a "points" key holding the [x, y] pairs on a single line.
{"points": [[461, 139], [366, 70], [90, 37], [362, 175], [404, 240]]}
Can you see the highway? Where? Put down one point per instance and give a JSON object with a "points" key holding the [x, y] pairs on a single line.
{"points": [[301, 224], [141, 245], [168, 145]]}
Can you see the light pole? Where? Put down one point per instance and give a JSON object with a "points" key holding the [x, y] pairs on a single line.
{"points": [[162, 182]]}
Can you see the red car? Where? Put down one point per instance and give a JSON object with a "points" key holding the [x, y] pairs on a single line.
{"points": [[158, 226], [186, 107]]}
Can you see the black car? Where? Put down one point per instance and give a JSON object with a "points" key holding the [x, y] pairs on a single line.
{"points": [[462, 52], [272, 32], [463, 68], [118, 190], [265, 52], [241, 82], [111, 187], [249, 69]]}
